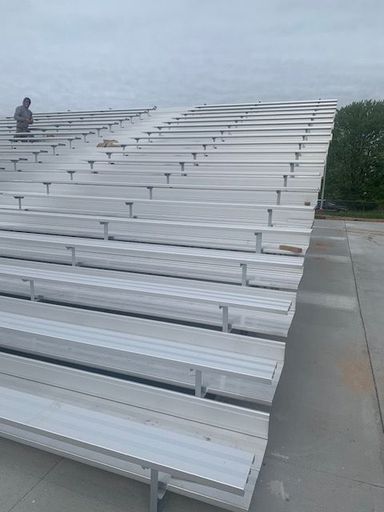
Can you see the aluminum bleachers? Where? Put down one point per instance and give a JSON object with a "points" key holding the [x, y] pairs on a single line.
{"points": [[160, 265]]}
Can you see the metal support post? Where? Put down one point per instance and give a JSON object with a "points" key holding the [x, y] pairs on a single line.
{"points": [[157, 492], [259, 242], [285, 180], [153, 501], [297, 155], [270, 212], [19, 198], [167, 176], [71, 173], [225, 326], [130, 204], [199, 388], [91, 163], [105, 224], [244, 269], [109, 154], [73, 254], [182, 165], [194, 155], [47, 184], [36, 154], [323, 187], [292, 167], [278, 196], [14, 164], [31, 288], [150, 189]]}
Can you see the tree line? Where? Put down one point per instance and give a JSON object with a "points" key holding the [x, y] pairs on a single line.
{"points": [[355, 164]]}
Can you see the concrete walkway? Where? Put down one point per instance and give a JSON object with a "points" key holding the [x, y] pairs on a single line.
{"points": [[326, 437]]}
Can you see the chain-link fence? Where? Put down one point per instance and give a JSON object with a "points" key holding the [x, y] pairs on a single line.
{"points": [[350, 207]]}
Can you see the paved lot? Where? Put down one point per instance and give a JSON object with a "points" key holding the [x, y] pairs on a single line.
{"points": [[325, 451]]}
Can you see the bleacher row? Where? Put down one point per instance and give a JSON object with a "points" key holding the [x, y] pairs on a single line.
{"points": [[149, 264]]}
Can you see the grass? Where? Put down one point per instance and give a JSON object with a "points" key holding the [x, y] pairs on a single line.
{"points": [[357, 214]]}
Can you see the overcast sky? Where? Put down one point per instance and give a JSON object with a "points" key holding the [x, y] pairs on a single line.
{"points": [[69, 54]]}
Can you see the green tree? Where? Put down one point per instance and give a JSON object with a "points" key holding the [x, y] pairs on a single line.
{"points": [[355, 166]]}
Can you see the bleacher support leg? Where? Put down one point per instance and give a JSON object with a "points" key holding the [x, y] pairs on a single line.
{"points": [[106, 235], [73, 255], [225, 327], [199, 388], [244, 269], [157, 492], [31, 288], [259, 242]]}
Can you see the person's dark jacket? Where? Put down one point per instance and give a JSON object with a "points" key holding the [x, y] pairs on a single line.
{"points": [[22, 116]]}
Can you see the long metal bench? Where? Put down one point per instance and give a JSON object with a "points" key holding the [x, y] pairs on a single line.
{"points": [[254, 114], [303, 123], [31, 139], [297, 144], [287, 165], [211, 304], [195, 153], [321, 130], [267, 271], [36, 152], [195, 359], [268, 135], [137, 208], [43, 134], [153, 190], [260, 238], [16, 146], [148, 434], [255, 120]]}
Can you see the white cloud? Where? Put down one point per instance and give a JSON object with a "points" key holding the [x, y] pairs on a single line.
{"points": [[115, 53]]}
